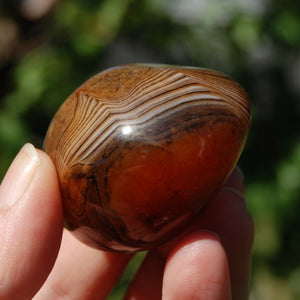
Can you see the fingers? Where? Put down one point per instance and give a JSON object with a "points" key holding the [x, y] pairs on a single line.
{"points": [[228, 216], [82, 272], [197, 269], [30, 224]]}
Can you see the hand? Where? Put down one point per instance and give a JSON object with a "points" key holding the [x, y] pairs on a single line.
{"points": [[40, 260]]}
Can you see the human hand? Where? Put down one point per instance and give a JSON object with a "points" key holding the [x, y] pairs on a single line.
{"points": [[40, 260]]}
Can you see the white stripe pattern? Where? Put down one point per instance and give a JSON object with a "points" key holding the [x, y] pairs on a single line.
{"points": [[95, 119]]}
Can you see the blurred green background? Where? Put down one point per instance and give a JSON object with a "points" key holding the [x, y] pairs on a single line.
{"points": [[48, 48]]}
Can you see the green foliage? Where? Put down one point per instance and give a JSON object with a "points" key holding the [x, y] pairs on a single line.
{"points": [[123, 283], [256, 42]]}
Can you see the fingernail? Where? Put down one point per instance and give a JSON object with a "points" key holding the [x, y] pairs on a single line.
{"points": [[19, 176], [240, 173], [210, 234], [235, 182]]}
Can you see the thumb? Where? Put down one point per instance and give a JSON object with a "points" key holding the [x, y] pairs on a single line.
{"points": [[31, 224]]}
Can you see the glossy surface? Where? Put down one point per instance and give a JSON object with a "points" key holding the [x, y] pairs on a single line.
{"points": [[140, 149]]}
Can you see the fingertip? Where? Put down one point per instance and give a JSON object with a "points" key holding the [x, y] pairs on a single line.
{"points": [[235, 181], [195, 237], [49, 183], [31, 223], [42, 200], [19, 176], [197, 268]]}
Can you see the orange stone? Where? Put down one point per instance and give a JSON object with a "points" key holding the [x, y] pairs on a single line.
{"points": [[140, 149]]}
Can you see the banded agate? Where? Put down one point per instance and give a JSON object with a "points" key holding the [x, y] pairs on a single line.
{"points": [[140, 150]]}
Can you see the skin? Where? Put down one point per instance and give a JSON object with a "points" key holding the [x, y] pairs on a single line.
{"points": [[41, 260]]}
